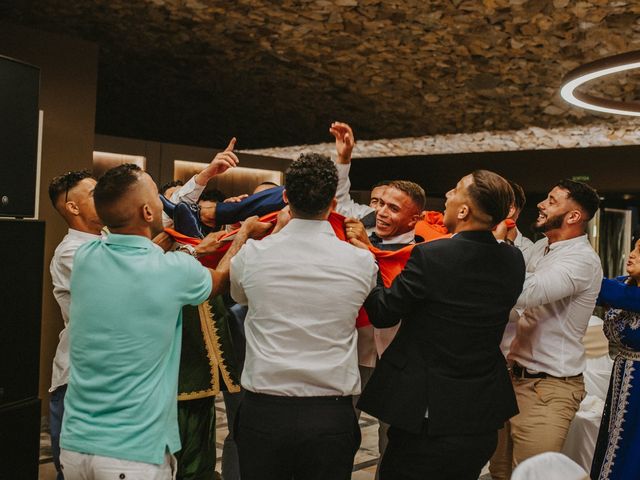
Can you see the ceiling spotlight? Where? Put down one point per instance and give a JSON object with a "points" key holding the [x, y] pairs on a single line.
{"points": [[601, 68]]}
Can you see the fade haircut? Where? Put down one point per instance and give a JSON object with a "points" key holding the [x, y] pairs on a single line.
{"points": [[492, 194], [520, 198], [584, 195], [212, 195], [168, 185], [414, 191], [63, 183], [310, 183], [111, 187]]}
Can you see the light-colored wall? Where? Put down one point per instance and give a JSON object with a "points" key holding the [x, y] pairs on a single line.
{"points": [[161, 156], [68, 79]]}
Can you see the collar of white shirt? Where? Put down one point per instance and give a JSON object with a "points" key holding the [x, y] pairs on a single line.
{"points": [[406, 238], [82, 235], [561, 244], [300, 225]]}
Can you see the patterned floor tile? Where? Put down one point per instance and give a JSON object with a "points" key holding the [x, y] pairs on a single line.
{"points": [[364, 464]]}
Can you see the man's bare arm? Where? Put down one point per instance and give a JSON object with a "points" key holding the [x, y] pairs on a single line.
{"points": [[251, 228]]}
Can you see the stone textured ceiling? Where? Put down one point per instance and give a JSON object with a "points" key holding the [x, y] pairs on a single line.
{"points": [[277, 72]]}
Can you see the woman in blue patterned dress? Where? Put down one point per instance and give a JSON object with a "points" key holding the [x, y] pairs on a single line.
{"points": [[617, 453]]}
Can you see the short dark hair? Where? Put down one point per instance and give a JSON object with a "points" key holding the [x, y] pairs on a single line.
{"points": [[112, 186], [168, 185], [381, 183], [63, 183], [212, 195], [413, 190], [492, 194], [310, 183], [520, 198], [583, 194]]}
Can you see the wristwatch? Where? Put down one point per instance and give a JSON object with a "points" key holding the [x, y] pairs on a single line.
{"points": [[190, 249]]}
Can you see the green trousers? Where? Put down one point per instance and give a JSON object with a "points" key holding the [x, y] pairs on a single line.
{"points": [[197, 424]]}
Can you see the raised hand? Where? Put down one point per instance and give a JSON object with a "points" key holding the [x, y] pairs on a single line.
{"points": [[225, 159], [222, 162], [345, 141]]}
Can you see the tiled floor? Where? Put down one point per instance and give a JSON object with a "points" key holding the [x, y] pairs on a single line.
{"points": [[364, 466]]}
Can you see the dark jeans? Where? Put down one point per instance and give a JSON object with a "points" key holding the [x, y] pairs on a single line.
{"points": [[230, 464], [299, 438], [411, 456], [56, 412]]}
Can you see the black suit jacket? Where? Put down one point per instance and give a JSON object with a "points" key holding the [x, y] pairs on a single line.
{"points": [[454, 298]]}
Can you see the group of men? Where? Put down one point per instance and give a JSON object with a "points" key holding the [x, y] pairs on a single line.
{"points": [[430, 367]]}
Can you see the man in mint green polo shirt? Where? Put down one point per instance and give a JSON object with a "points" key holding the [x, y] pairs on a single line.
{"points": [[125, 337]]}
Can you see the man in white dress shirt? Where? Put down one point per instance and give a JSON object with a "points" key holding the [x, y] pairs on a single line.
{"points": [[514, 237], [547, 354], [72, 196], [303, 287]]}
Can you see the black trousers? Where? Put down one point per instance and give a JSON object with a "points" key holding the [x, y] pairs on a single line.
{"points": [[299, 438], [411, 456]]}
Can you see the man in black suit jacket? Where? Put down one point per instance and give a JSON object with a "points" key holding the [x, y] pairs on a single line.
{"points": [[443, 384]]}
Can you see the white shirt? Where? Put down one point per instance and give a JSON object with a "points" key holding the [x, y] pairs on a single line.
{"points": [[61, 266], [558, 297], [525, 246], [346, 206], [304, 288], [407, 238], [189, 193]]}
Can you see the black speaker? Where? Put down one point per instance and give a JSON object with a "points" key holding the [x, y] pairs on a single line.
{"points": [[21, 257], [20, 440], [19, 91]]}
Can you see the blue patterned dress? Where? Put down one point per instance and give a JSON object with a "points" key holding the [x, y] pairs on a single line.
{"points": [[617, 453]]}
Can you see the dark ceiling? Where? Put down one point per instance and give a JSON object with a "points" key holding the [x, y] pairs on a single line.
{"points": [[278, 72]]}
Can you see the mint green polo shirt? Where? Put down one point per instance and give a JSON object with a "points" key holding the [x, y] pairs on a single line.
{"points": [[125, 336]]}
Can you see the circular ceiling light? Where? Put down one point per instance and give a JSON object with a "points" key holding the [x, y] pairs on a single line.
{"points": [[601, 68]]}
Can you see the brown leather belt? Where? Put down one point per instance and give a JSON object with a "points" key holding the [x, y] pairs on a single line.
{"points": [[519, 371]]}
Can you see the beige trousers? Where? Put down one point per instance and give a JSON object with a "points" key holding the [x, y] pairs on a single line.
{"points": [[547, 407]]}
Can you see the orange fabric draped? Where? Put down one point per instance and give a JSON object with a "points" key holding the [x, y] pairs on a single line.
{"points": [[390, 263]]}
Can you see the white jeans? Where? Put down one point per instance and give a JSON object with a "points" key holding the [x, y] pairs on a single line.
{"points": [[82, 466]]}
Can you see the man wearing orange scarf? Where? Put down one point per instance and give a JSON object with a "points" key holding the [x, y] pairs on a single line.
{"points": [[388, 223]]}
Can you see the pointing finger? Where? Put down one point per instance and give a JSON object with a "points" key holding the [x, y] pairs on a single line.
{"points": [[231, 145]]}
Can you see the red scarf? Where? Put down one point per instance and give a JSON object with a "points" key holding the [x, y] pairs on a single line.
{"points": [[390, 263]]}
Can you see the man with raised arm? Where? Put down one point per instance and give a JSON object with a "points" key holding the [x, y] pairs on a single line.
{"points": [[345, 141], [388, 223]]}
